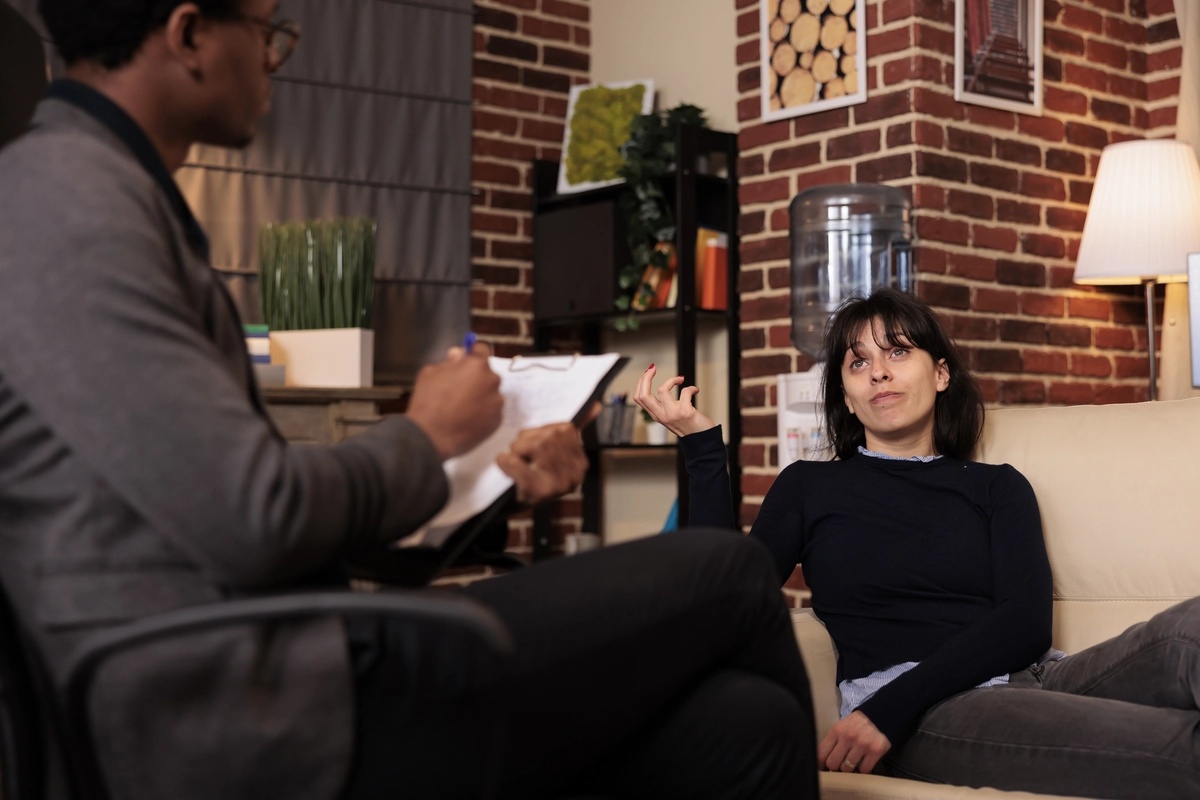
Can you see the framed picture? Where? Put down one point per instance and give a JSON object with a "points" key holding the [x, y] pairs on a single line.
{"points": [[814, 55], [598, 120], [998, 54]]}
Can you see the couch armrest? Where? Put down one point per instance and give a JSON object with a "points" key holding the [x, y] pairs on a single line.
{"points": [[820, 659]]}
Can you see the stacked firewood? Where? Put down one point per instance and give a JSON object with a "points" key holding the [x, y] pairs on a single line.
{"points": [[814, 45]]}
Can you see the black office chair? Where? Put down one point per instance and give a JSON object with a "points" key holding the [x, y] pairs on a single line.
{"points": [[21, 759], [34, 713], [22, 72]]}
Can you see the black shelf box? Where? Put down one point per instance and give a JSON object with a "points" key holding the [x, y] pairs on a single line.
{"points": [[577, 250]]}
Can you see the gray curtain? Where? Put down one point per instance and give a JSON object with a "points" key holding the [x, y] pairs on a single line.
{"points": [[370, 117]]}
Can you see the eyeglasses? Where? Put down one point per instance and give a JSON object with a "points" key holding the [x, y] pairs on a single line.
{"points": [[282, 37]]}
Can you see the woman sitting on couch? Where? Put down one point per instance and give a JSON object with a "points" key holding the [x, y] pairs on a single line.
{"points": [[930, 573]]}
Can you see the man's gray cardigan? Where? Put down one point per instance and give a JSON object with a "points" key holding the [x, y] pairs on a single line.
{"points": [[139, 473]]}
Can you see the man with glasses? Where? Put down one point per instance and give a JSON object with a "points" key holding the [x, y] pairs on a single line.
{"points": [[281, 38], [139, 473]]}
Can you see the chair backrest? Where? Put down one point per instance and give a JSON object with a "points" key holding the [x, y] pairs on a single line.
{"points": [[21, 730], [38, 759], [22, 72]]}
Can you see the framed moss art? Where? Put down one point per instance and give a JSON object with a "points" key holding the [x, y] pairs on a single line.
{"points": [[598, 120]]}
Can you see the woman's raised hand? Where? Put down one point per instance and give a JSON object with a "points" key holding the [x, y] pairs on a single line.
{"points": [[677, 415]]}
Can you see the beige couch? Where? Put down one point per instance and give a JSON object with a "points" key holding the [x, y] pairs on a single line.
{"points": [[1119, 492]]}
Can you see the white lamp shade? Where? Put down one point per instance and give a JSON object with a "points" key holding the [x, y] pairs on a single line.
{"points": [[1144, 217]]}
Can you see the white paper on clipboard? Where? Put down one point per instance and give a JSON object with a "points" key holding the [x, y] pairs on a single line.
{"points": [[537, 390]]}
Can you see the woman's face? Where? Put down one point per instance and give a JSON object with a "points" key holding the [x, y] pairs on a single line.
{"points": [[892, 390]]}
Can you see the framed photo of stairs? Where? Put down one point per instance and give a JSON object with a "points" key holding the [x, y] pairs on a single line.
{"points": [[998, 54]]}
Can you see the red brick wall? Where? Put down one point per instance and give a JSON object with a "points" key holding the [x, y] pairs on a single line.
{"points": [[999, 200], [528, 53]]}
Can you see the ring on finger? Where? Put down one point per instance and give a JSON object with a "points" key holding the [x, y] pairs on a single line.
{"points": [[849, 765]]}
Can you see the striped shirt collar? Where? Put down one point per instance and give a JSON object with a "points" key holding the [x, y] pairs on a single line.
{"points": [[923, 459]]}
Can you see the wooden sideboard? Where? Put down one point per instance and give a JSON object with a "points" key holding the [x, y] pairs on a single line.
{"points": [[327, 416]]}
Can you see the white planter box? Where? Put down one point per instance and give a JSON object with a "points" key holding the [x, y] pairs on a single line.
{"points": [[331, 358]]}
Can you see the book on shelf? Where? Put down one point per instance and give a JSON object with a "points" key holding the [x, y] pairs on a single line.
{"points": [[673, 292], [655, 286], [712, 269], [714, 290], [258, 343], [663, 296], [658, 287]]}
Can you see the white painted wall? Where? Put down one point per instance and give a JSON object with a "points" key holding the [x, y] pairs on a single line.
{"points": [[639, 485], [685, 46]]}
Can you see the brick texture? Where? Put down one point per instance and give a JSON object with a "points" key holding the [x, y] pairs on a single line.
{"points": [[999, 197], [527, 56], [999, 200]]}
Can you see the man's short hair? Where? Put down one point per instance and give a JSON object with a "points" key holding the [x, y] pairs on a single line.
{"points": [[110, 32]]}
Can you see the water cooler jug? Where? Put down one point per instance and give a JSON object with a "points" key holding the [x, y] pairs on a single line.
{"points": [[847, 239]]}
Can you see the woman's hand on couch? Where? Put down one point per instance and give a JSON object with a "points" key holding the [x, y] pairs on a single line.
{"points": [[854, 744]]}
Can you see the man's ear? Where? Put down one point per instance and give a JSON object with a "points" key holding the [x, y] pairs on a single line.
{"points": [[180, 34]]}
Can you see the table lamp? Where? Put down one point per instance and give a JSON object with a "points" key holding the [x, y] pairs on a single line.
{"points": [[1143, 220]]}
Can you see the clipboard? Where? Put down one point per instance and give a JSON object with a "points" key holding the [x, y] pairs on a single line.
{"points": [[417, 565]]}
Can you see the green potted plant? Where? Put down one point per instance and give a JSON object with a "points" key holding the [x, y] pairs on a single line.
{"points": [[649, 157], [317, 292]]}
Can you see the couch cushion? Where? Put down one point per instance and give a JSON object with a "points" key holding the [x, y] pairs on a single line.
{"points": [[820, 660], [1119, 491]]}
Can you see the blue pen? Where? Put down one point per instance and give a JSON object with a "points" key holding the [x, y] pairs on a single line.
{"points": [[469, 342]]}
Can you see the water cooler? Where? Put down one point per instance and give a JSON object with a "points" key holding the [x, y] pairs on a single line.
{"points": [[847, 240], [801, 423]]}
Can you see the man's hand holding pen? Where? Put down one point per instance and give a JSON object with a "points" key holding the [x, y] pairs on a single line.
{"points": [[458, 404]]}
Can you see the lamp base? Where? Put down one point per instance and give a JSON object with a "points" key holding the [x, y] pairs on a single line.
{"points": [[1148, 283]]}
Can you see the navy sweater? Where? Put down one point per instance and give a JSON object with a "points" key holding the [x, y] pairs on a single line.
{"points": [[942, 563]]}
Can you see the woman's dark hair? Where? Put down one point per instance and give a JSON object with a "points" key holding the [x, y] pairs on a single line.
{"points": [[110, 32], [957, 411]]}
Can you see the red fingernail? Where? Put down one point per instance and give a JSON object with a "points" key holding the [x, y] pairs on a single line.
{"points": [[649, 368]]}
